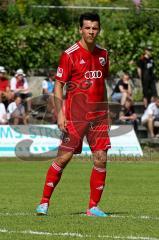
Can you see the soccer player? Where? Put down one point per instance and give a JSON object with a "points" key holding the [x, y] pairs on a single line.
{"points": [[83, 68]]}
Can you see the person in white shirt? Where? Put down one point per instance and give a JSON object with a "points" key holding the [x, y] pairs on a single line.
{"points": [[3, 113], [19, 85], [16, 112], [151, 115]]}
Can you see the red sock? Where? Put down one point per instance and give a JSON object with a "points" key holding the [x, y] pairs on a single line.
{"points": [[97, 183], [52, 178]]}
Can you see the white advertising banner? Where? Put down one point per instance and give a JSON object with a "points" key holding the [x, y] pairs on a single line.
{"points": [[43, 140]]}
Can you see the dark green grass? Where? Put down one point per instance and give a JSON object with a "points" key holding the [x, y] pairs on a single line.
{"points": [[132, 192]]}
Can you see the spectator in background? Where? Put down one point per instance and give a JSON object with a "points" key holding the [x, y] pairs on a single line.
{"points": [[5, 92], [3, 113], [122, 90], [145, 69], [16, 112], [127, 114], [151, 115], [48, 90], [20, 87]]}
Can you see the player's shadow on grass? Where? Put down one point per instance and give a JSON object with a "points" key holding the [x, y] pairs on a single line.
{"points": [[109, 213]]}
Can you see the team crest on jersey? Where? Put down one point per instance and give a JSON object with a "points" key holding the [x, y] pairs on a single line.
{"points": [[102, 61], [59, 72]]}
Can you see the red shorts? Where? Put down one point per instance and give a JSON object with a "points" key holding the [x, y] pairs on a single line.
{"points": [[96, 133]]}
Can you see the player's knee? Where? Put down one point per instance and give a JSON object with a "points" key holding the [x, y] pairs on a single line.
{"points": [[100, 159], [63, 158]]}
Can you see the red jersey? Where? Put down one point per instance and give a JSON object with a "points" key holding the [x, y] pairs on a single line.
{"points": [[4, 83], [84, 72]]}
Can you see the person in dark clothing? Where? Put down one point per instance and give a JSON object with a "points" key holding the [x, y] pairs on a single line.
{"points": [[127, 114], [122, 90], [145, 69]]}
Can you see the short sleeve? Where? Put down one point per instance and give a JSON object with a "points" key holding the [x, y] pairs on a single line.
{"points": [[150, 110], [13, 84], [106, 70], [25, 84], [44, 84], [11, 107], [3, 110], [140, 63], [120, 83], [64, 69]]}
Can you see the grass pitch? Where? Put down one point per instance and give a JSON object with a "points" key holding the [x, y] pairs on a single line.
{"points": [[131, 197]]}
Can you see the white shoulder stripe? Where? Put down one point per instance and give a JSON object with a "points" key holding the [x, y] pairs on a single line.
{"points": [[72, 47], [72, 50]]}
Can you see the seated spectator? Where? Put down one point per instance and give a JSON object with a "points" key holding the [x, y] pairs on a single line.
{"points": [[122, 90], [19, 85], [127, 114], [48, 90], [16, 112], [151, 115], [3, 113], [5, 92]]}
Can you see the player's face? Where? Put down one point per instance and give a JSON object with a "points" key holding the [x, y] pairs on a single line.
{"points": [[148, 52], [1, 75], [18, 100], [125, 78], [157, 103], [89, 31], [19, 77]]}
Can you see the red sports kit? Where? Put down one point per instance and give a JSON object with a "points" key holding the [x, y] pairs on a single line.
{"points": [[86, 109]]}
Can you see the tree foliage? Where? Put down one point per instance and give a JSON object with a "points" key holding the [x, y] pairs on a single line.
{"points": [[33, 38]]}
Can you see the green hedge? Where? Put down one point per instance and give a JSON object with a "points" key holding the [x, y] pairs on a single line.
{"points": [[34, 39]]}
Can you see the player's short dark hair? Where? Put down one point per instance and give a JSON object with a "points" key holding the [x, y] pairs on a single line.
{"points": [[89, 16]]}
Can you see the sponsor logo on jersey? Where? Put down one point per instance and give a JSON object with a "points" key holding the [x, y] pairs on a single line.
{"points": [[82, 61], [59, 72], [66, 139], [93, 74], [102, 61]]}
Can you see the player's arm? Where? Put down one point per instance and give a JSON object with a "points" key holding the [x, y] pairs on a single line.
{"points": [[121, 88], [140, 66], [129, 89], [106, 76], [58, 98], [139, 71]]}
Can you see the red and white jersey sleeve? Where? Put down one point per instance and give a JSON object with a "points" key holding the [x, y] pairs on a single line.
{"points": [[64, 69]]}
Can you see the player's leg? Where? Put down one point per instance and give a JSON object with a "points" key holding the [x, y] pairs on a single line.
{"points": [[97, 183], [145, 89], [99, 142], [71, 143], [150, 126], [53, 177], [123, 98]]}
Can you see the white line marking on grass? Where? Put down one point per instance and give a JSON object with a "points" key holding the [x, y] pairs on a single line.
{"points": [[135, 217], [112, 216], [77, 235], [15, 214]]}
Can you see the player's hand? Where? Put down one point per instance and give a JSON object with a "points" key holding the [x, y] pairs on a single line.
{"points": [[62, 122]]}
